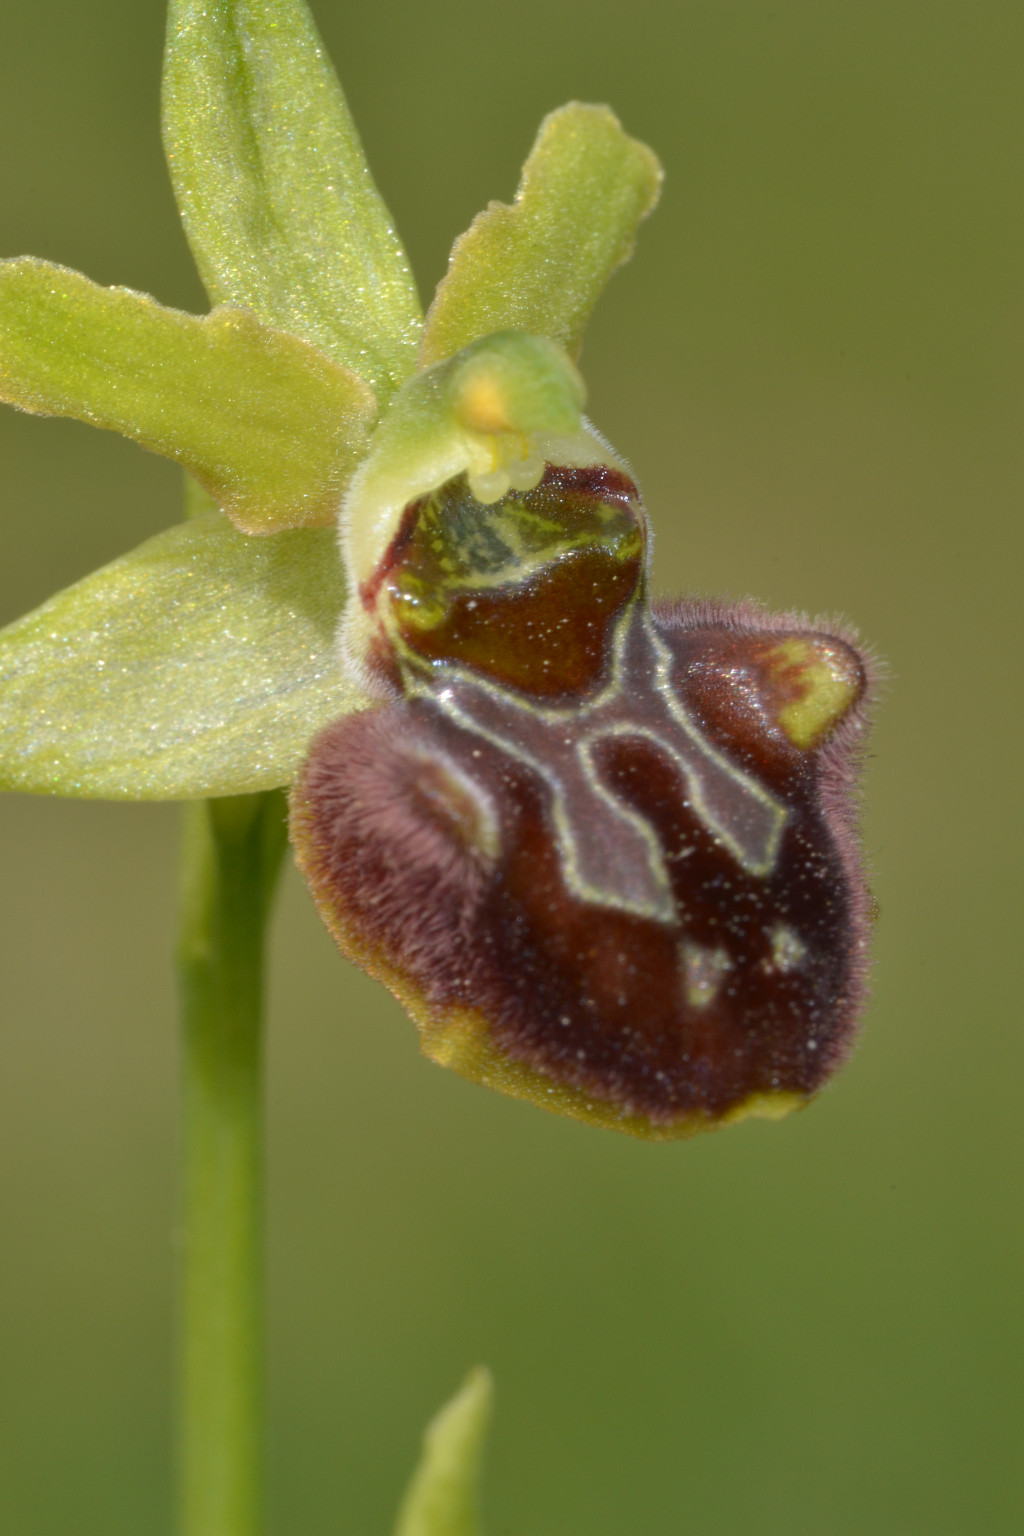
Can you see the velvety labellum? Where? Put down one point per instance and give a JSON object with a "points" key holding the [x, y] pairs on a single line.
{"points": [[601, 850]]}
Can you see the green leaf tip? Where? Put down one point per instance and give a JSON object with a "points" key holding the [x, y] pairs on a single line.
{"points": [[443, 1497], [277, 201], [266, 424], [200, 664], [539, 264]]}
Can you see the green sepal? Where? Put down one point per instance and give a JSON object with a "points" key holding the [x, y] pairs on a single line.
{"points": [[539, 264], [443, 1497], [202, 663], [264, 422], [277, 201]]}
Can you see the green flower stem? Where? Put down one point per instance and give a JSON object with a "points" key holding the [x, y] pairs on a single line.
{"points": [[231, 858]]}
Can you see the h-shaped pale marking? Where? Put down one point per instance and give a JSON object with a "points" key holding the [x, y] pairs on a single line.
{"points": [[610, 853]]}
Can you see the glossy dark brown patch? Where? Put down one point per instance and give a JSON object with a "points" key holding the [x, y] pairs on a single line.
{"points": [[499, 588]]}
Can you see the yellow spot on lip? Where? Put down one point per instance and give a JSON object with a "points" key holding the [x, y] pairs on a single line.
{"points": [[825, 680], [764, 1106]]}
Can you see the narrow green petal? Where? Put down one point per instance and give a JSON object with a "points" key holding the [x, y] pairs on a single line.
{"points": [[443, 1497], [264, 422], [200, 664], [278, 204], [539, 264]]}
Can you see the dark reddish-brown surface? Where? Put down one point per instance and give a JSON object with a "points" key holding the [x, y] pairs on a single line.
{"points": [[734, 684], [536, 638], [592, 996], [545, 629]]}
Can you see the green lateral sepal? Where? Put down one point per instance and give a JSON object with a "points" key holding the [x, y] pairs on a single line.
{"points": [[266, 423], [277, 200], [539, 264], [443, 1498], [200, 664]]}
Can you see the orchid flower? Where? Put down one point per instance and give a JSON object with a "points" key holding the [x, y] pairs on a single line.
{"points": [[601, 848]]}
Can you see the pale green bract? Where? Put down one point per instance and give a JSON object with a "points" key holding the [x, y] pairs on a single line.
{"points": [[200, 664], [443, 1497], [203, 663]]}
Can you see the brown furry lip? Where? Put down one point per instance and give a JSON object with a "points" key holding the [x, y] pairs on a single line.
{"points": [[629, 890]]}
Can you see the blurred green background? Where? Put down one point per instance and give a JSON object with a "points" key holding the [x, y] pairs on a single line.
{"points": [[815, 365]]}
